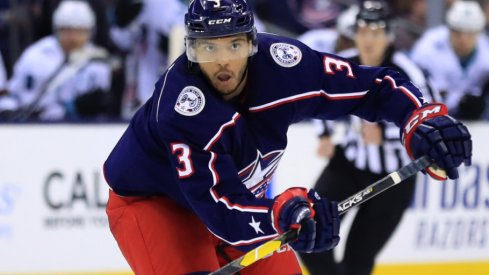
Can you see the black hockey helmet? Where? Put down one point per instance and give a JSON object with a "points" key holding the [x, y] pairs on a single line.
{"points": [[375, 14], [218, 18]]}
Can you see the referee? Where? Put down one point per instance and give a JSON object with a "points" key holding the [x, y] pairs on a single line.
{"points": [[368, 152]]}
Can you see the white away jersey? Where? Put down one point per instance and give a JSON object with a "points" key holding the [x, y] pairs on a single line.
{"points": [[46, 80], [434, 54]]}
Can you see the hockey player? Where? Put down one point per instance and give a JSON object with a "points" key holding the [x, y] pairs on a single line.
{"points": [[188, 176], [367, 153], [461, 51], [62, 76]]}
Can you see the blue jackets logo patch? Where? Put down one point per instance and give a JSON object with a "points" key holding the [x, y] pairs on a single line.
{"points": [[285, 55], [190, 102]]}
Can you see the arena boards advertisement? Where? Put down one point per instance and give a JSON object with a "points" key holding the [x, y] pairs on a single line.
{"points": [[52, 200], [53, 195]]}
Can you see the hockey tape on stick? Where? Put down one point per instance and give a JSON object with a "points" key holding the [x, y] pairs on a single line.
{"points": [[367, 193]]}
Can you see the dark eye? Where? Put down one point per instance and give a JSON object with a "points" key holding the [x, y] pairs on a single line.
{"points": [[236, 45], [209, 48]]}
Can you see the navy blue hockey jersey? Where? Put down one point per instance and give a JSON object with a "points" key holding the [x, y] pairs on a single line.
{"points": [[216, 157]]}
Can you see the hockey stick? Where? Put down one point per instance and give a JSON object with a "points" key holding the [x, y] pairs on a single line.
{"points": [[369, 192]]}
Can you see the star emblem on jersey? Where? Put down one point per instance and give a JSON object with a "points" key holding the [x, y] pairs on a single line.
{"points": [[190, 101], [257, 175], [256, 225], [285, 55]]}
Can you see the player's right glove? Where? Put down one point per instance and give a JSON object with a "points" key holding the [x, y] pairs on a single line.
{"points": [[316, 219]]}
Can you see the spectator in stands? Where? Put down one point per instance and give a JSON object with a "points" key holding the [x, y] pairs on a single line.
{"points": [[367, 152], [294, 17], [334, 40], [62, 76], [410, 23], [455, 56]]}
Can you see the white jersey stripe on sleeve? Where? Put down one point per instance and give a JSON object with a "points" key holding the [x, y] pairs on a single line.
{"points": [[406, 91], [161, 92], [215, 176], [338, 96], [221, 130]]}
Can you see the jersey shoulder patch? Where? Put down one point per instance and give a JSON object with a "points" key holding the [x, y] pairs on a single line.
{"points": [[285, 55], [190, 101]]}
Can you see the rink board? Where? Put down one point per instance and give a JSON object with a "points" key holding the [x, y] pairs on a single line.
{"points": [[52, 199]]}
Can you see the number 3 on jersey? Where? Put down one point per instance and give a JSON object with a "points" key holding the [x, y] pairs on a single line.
{"points": [[183, 152], [338, 65]]}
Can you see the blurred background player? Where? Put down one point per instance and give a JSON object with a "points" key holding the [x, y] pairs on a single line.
{"points": [[455, 57], [62, 76], [410, 22], [143, 29], [105, 12], [43, 11], [368, 152], [294, 17]]}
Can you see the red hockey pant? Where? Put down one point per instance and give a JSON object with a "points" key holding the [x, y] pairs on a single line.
{"points": [[157, 236]]}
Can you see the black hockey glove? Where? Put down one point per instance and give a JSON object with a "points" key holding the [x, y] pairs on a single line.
{"points": [[316, 219], [430, 131]]}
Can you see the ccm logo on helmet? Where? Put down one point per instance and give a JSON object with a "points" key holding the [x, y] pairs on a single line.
{"points": [[421, 116], [219, 21]]}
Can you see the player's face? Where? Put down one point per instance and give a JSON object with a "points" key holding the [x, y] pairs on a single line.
{"points": [[227, 70], [72, 38], [372, 44], [463, 43]]}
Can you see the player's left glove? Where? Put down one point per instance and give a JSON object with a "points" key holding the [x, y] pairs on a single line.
{"points": [[316, 219], [430, 131]]}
